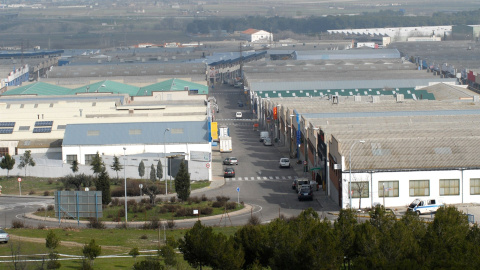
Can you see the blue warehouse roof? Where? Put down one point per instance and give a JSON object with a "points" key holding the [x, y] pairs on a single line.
{"points": [[135, 133]]}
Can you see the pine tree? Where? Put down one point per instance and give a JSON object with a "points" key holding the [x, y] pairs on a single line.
{"points": [[7, 163], [97, 164], [141, 169], [103, 184], [153, 177], [159, 170], [116, 166], [182, 182], [74, 166]]}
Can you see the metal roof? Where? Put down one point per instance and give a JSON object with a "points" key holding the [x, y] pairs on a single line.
{"points": [[38, 88], [136, 133], [172, 84], [348, 54]]}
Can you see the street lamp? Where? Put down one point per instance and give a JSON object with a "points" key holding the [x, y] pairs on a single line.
{"points": [[125, 182], [350, 173], [165, 153]]}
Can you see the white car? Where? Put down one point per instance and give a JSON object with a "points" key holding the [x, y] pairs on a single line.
{"points": [[238, 115], [284, 163], [4, 237]]}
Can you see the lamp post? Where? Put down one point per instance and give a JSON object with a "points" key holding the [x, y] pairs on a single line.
{"points": [[125, 182], [165, 153], [350, 173]]}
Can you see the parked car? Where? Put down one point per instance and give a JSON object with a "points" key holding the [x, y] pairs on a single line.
{"points": [[230, 161], [229, 172], [284, 163], [238, 115], [238, 84], [4, 237], [297, 183], [267, 142], [240, 103], [305, 193], [263, 135]]}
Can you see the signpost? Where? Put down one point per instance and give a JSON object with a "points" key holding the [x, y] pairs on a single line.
{"points": [[19, 185], [238, 195], [207, 165]]}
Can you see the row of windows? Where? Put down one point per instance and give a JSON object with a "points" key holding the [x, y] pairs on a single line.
{"points": [[416, 188]]}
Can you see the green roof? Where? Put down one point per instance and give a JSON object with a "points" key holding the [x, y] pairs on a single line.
{"points": [[45, 89], [173, 85], [40, 89], [107, 87], [408, 93]]}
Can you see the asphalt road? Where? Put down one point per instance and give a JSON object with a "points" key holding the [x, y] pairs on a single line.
{"points": [[262, 184]]}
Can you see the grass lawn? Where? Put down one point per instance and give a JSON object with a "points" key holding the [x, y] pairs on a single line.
{"points": [[114, 242], [39, 186]]}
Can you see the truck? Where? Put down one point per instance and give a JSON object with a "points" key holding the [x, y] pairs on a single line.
{"points": [[225, 144], [425, 206], [223, 131]]}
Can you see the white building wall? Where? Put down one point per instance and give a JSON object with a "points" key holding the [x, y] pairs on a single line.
{"points": [[404, 178]]}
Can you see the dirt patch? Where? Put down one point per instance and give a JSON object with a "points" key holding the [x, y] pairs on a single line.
{"points": [[62, 243]]}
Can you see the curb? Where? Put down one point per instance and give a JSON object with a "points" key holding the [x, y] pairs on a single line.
{"points": [[246, 209]]}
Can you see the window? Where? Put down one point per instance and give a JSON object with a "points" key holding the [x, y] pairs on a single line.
{"points": [[474, 186], [449, 187], [3, 151], [360, 187], [71, 158], [387, 189], [88, 159], [419, 188]]}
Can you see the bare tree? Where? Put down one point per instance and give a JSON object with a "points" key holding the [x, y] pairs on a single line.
{"points": [[360, 184], [16, 252]]}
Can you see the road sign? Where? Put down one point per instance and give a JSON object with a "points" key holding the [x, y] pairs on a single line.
{"points": [[140, 186], [207, 165], [238, 195], [238, 189], [19, 179], [304, 162]]}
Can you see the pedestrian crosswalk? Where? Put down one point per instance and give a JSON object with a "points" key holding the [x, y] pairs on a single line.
{"points": [[260, 178], [234, 119]]}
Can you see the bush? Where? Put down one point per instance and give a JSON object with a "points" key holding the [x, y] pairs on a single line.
{"points": [[144, 236], [162, 210], [222, 198], [171, 207], [158, 200], [171, 224], [46, 193], [50, 181], [114, 202], [206, 210], [218, 204], [173, 199], [145, 201], [204, 198], [41, 226], [95, 224], [31, 192], [153, 224], [41, 209], [131, 203], [122, 225], [193, 199], [50, 207], [117, 192], [17, 224], [181, 212], [254, 220], [231, 205], [121, 212]]}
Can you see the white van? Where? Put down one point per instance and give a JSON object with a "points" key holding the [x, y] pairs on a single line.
{"points": [[263, 135], [425, 206]]}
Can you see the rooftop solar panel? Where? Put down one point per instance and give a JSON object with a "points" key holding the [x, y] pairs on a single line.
{"points": [[6, 130], [7, 124], [44, 123], [42, 130]]}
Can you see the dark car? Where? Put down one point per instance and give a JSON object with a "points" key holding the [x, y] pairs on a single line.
{"points": [[229, 172], [240, 104], [305, 193], [230, 161]]}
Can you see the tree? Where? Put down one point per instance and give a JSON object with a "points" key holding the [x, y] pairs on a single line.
{"points": [[134, 253], [26, 160], [148, 264], [97, 163], [196, 245], [344, 228], [91, 250], [52, 241], [74, 166], [141, 169], [7, 163], [168, 254], [153, 177], [103, 184], [182, 182], [159, 170], [116, 166], [76, 181]]}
